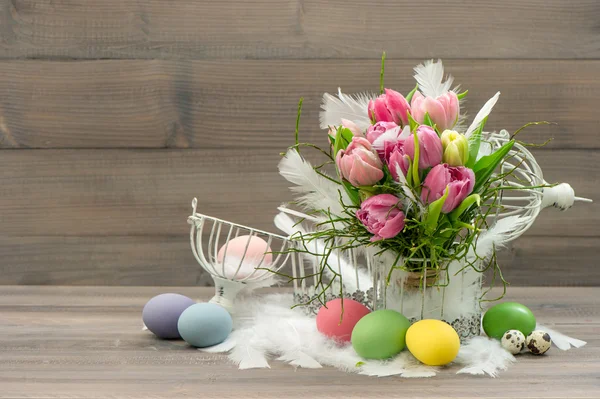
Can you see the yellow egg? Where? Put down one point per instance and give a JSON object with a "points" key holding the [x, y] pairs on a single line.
{"points": [[433, 342]]}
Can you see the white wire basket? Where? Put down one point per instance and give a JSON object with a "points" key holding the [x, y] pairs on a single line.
{"points": [[453, 294], [522, 201], [236, 256]]}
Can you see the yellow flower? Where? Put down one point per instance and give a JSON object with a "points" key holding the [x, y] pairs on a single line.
{"points": [[456, 148]]}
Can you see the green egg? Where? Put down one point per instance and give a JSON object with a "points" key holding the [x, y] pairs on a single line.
{"points": [[508, 316], [380, 334]]}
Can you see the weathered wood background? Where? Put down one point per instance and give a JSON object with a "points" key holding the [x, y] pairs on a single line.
{"points": [[114, 114]]}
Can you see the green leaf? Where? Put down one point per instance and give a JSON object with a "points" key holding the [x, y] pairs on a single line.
{"points": [[412, 93], [412, 123], [435, 208], [352, 192], [444, 232], [347, 135], [475, 143], [464, 225], [415, 166], [409, 179], [427, 120], [332, 139], [340, 140], [484, 168], [462, 95], [466, 204]]}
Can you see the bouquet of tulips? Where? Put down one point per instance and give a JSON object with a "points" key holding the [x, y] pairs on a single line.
{"points": [[411, 177]]}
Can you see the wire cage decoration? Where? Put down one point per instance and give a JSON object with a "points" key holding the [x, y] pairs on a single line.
{"points": [[236, 256], [452, 294], [525, 191]]}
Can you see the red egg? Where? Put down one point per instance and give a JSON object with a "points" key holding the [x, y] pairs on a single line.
{"points": [[332, 323]]}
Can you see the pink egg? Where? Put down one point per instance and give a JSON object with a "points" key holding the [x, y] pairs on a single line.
{"points": [[257, 251], [328, 318]]}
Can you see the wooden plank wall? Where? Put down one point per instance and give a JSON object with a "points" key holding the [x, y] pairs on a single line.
{"points": [[114, 114]]}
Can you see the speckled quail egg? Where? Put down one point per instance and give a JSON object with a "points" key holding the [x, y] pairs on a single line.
{"points": [[513, 341], [538, 342]]}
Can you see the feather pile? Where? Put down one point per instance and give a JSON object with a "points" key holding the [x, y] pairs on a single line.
{"points": [[483, 355], [271, 331]]}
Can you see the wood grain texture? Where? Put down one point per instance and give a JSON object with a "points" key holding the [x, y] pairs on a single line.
{"points": [[118, 217], [148, 192], [168, 260], [276, 29], [111, 260], [253, 103], [86, 342]]}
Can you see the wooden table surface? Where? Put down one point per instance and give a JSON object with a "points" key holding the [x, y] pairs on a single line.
{"points": [[86, 342]]}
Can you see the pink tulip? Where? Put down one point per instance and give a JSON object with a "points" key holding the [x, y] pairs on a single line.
{"points": [[381, 216], [430, 147], [359, 164], [376, 130], [398, 162], [390, 107], [442, 110], [459, 180]]}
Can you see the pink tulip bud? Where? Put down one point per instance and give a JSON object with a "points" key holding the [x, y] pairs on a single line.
{"points": [[459, 180], [398, 162], [359, 164], [348, 124], [430, 147], [390, 107], [381, 216], [375, 131], [353, 127], [442, 110]]}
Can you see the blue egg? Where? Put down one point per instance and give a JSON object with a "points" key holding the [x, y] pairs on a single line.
{"points": [[205, 324], [162, 312]]}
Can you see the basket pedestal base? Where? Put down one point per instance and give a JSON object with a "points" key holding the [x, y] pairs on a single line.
{"points": [[225, 293]]}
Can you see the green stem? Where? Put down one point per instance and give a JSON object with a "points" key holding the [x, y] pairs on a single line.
{"points": [[298, 120], [381, 88]]}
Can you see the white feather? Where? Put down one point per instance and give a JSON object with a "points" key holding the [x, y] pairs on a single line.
{"points": [[390, 136], [300, 359], [404, 365], [351, 107], [481, 355], [497, 235], [485, 148], [316, 192], [223, 347], [429, 76], [249, 351], [482, 114], [411, 199], [562, 341]]}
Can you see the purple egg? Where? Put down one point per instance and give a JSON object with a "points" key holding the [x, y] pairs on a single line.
{"points": [[162, 312]]}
